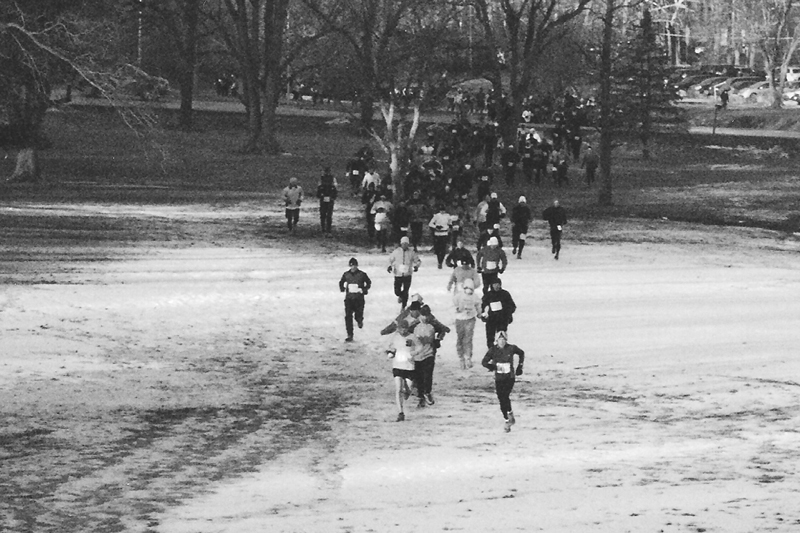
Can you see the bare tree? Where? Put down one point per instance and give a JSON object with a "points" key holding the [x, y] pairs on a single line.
{"points": [[520, 32], [253, 31], [775, 29], [371, 28]]}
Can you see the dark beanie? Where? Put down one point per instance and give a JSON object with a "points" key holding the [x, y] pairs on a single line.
{"points": [[414, 306], [353, 261]]}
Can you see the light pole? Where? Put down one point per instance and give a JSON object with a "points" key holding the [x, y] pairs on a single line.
{"points": [[139, 37]]}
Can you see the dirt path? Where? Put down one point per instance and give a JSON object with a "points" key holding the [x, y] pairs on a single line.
{"points": [[207, 388]]}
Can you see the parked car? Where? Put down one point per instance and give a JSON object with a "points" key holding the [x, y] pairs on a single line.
{"points": [[706, 84], [687, 82], [761, 91], [792, 95], [741, 83], [752, 93]]}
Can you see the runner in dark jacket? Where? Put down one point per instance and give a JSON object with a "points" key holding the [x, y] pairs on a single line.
{"points": [[355, 284], [500, 360]]}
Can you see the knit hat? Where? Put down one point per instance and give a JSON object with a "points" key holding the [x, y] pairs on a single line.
{"points": [[416, 297], [522, 200], [415, 306], [405, 240], [353, 261], [493, 195], [493, 241], [292, 181]]}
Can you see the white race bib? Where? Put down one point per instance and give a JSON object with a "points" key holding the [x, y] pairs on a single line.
{"points": [[353, 288], [503, 368], [491, 265], [402, 269], [326, 198], [558, 227], [496, 306], [523, 236]]}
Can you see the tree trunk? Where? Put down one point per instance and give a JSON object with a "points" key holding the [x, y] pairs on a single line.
{"points": [[27, 168], [367, 105], [605, 196], [271, 95], [188, 63]]}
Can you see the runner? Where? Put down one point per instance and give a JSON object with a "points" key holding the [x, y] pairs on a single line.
{"points": [[402, 263], [468, 307], [355, 284], [401, 350], [500, 360]]}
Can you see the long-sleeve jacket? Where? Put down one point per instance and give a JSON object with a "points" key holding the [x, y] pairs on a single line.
{"points": [[454, 258], [293, 197], [426, 334], [501, 361], [403, 262], [521, 215], [355, 284], [468, 306], [492, 259], [440, 223], [556, 216], [498, 307], [460, 274]]}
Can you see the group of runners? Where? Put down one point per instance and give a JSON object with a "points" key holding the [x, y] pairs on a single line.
{"points": [[477, 294]]}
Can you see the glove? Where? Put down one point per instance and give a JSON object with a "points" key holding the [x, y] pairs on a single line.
{"points": [[492, 367], [519, 370], [389, 270], [365, 292], [436, 344], [416, 269]]}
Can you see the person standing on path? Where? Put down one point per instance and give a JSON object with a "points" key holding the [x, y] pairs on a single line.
{"points": [[520, 218], [498, 310], [292, 198], [468, 307], [355, 284], [403, 261], [556, 216], [500, 360], [590, 162], [401, 350], [327, 191]]}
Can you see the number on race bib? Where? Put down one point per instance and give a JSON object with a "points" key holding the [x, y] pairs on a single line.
{"points": [[353, 288], [503, 368], [496, 306]]}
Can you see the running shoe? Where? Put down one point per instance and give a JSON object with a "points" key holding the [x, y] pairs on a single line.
{"points": [[507, 426], [511, 419], [429, 399], [400, 417], [349, 339], [360, 324], [421, 403]]}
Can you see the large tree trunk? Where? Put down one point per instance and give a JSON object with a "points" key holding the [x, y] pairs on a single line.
{"points": [[605, 196], [27, 168]]}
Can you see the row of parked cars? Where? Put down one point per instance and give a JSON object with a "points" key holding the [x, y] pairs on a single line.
{"points": [[744, 85]]}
